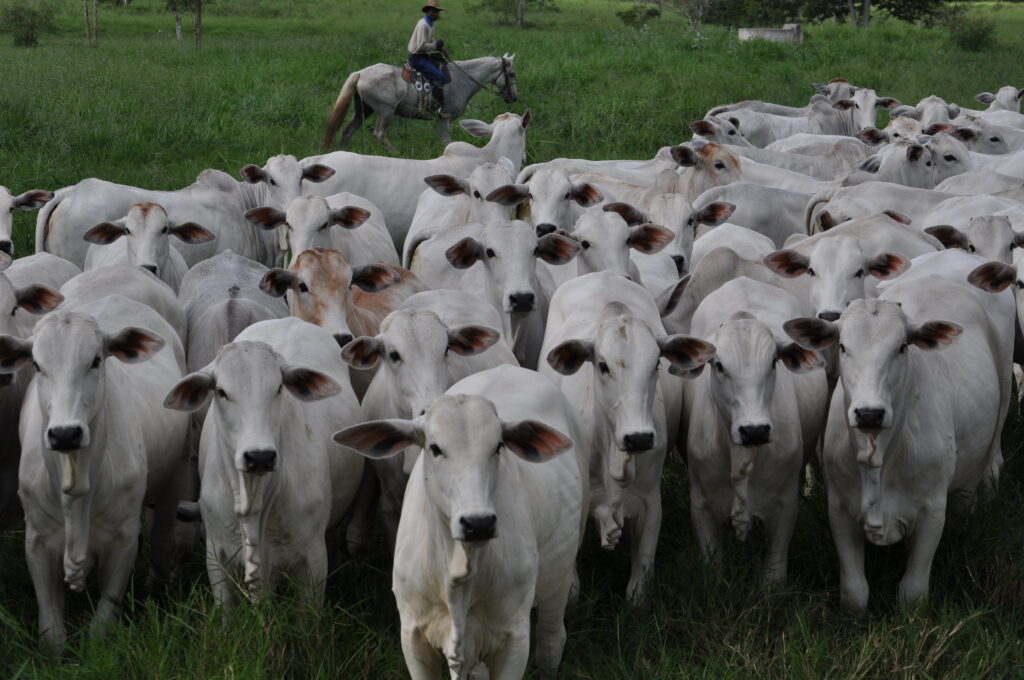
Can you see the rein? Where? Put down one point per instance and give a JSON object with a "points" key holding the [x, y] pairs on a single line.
{"points": [[503, 93]]}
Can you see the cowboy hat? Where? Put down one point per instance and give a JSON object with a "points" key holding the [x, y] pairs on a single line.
{"points": [[432, 4]]}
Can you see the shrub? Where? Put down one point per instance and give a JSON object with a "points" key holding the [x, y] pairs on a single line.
{"points": [[638, 16], [27, 19], [967, 30]]}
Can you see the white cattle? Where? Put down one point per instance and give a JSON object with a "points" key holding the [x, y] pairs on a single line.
{"points": [[1011, 164], [434, 340], [395, 184], [983, 136], [1007, 98], [928, 111], [747, 243], [871, 198], [776, 213], [556, 201], [96, 449], [992, 237], [627, 401], [849, 149], [643, 172], [487, 532], [779, 178], [216, 200], [842, 261], [982, 181], [273, 482], [487, 195], [960, 210], [142, 238], [133, 283], [824, 167], [827, 118], [908, 165], [310, 223], [752, 425], [319, 288], [33, 199], [28, 289], [907, 433], [713, 128], [950, 156]]}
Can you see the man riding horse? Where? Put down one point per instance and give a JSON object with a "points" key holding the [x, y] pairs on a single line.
{"points": [[421, 44]]}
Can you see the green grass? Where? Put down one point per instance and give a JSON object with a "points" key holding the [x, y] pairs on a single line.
{"points": [[141, 110]]}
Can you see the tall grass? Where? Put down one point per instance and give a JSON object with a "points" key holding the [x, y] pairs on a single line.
{"points": [[141, 110]]}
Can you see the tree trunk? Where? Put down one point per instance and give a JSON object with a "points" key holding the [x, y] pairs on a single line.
{"points": [[197, 24], [520, 12], [95, 21], [853, 12], [88, 26], [177, 23], [865, 12]]}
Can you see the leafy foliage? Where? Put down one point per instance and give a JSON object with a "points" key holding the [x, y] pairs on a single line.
{"points": [[26, 20], [968, 30]]}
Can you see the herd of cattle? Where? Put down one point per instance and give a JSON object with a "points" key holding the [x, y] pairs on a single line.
{"points": [[486, 355]]}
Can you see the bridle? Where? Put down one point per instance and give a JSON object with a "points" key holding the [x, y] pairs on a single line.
{"points": [[508, 76]]}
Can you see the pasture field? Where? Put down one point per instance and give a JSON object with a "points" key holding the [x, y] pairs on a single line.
{"points": [[141, 110]]}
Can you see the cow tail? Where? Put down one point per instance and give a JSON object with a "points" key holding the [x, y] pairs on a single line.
{"points": [[348, 91], [43, 225]]}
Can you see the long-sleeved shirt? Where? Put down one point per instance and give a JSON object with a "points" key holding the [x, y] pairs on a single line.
{"points": [[422, 40]]}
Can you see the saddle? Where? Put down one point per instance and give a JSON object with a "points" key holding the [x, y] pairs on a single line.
{"points": [[426, 105]]}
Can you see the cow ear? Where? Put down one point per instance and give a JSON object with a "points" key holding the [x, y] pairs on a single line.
{"points": [[14, 353], [37, 298], [33, 199], [1017, 241], [317, 173], [266, 217], [649, 238], [702, 128], [381, 438], [948, 235], [887, 102], [586, 194], [872, 136], [374, 278], [509, 194], [190, 232], [670, 297], [936, 128], [685, 351], [684, 156], [964, 134], [253, 174], [534, 441], [820, 88], [871, 164], [465, 253], [363, 352], [277, 282], [811, 333], [825, 220], [914, 152], [993, 277], [897, 216], [985, 97], [843, 104], [556, 249], [349, 217], [887, 265], [105, 233], [787, 263], [447, 185], [904, 111], [567, 357], [627, 212], [714, 214], [133, 345], [527, 119], [477, 128], [470, 340], [308, 385], [934, 334], [797, 358], [191, 393], [953, 110]]}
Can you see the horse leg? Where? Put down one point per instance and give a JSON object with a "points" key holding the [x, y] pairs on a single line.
{"points": [[443, 127], [381, 129], [354, 124]]}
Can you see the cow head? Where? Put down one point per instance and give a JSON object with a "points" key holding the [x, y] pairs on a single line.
{"points": [[490, 189], [1006, 99], [280, 180], [991, 237], [33, 299], [318, 288], [720, 128], [146, 230], [865, 102], [553, 197], [605, 241], [949, 154], [308, 222], [706, 166], [30, 200], [838, 268], [907, 164], [463, 439], [507, 133]]}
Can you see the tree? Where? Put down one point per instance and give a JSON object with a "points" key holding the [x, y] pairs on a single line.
{"points": [[694, 11], [177, 7]]}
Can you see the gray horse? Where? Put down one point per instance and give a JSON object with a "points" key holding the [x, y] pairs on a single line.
{"points": [[380, 89]]}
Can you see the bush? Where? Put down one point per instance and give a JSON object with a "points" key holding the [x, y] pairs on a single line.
{"points": [[27, 19], [638, 16], [967, 30]]}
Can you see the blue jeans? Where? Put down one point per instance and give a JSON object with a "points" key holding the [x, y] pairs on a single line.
{"points": [[425, 66]]}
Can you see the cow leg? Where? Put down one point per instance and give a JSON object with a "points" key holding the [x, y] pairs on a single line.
{"points": [[923, 543], [163, 537], [312, 580], [509, 662], [359, 532], [47, 572], [225, 590], [551, 630], [380, 131], [392, 490], [115, 569], [644, 530], [781, 526], [849, 540], [705, 525], [422, 660]]}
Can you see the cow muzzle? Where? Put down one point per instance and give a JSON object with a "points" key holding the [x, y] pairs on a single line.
{"points": [[869, 418], [151, 268], [680, 262], [544, 229], [755, 435], [638, 442], [479, 527], [829, 315], [259, 461], [7, 247], [521, 303], [66, 437], [343, 339]]}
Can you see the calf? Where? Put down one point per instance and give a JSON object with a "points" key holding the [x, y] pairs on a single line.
{"points": [[487, 532]]}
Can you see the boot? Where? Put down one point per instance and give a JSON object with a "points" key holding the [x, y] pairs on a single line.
{"points": [[438, 93]]}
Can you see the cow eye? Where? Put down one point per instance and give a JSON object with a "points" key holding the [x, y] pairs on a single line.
{"points": [[949, 158], [842, 348], [221, 393], [271, 182], [1020, 284], [994, 139], [95, 362], [895, 134], [15, 310], [303, 288], [36, 366], [165, 230], [490, 253], [585, 244], [775, 362], [689, 222], [394, 356], [732, 132], [568, 196], [972, 249], [929, 164], [497, 450], [719, 165], [719, 367], [902, 349], [603, 367], [436, 450], [324, 226], [127, 232], [476, 194], [810, 272], [859, 274]]}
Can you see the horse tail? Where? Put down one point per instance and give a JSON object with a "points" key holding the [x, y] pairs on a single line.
{"points": [[348, 91]]}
